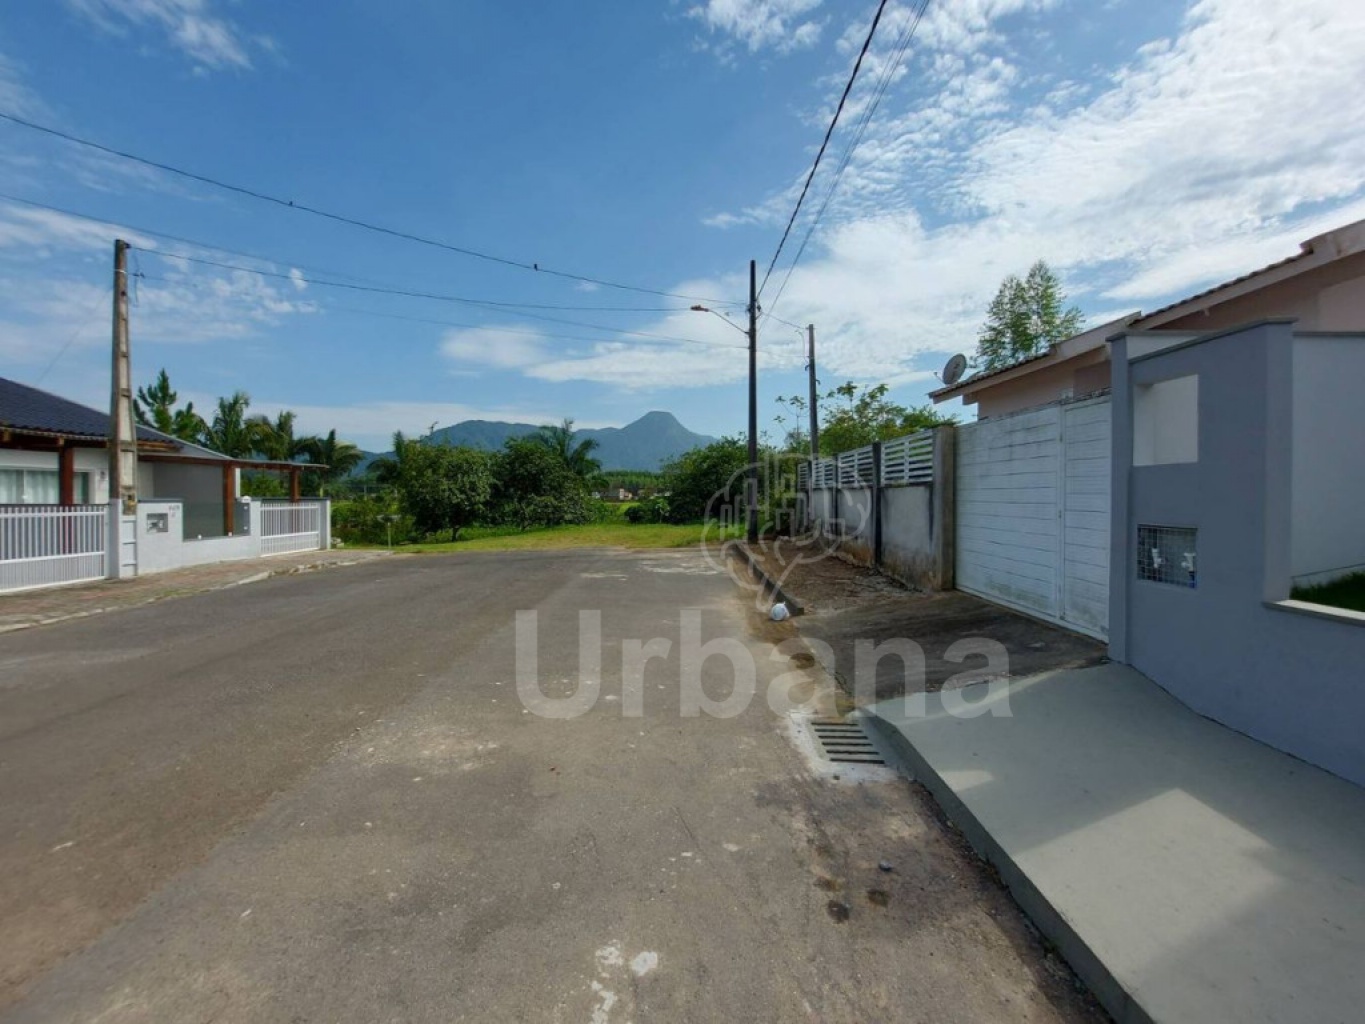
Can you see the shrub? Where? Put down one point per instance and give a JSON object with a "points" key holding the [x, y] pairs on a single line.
{"points": [[652, 510], [366, 520]]}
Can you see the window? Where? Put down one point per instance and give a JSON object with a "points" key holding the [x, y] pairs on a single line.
{"points": [[39, 487], [1168, 554]]}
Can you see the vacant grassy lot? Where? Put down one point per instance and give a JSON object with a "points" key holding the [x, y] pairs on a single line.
{"points": [[1347, 592], [605, 535]]}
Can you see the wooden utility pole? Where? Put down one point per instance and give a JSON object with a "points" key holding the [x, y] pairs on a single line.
{"points": [[814, 397], [751, 488], [122, 429]]}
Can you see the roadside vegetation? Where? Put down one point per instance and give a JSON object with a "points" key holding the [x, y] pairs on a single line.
{"points": [[548, 490], [1347, 592]]}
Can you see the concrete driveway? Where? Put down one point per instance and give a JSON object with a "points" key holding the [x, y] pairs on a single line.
{"points": [[320, 798]]}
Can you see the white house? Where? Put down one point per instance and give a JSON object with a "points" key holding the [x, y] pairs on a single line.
{"points": [[55, 523]]}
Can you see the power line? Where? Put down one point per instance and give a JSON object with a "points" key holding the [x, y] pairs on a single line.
{"points": [[305, 267], [867, 43], [342, 218], [864, 121], [513, 330], [412, 294], [87, 319]]}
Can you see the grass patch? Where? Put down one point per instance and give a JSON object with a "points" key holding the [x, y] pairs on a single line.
{"points": [[591, 535], [1347, 592]]}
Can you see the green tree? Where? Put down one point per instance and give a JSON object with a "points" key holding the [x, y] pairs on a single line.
{"points": [[155, 407], [231, 431], [534, 486], [441, 487], [1024, 319], [696, 477], [339, 457], [577, 456], [276, 440], [853, 416]]}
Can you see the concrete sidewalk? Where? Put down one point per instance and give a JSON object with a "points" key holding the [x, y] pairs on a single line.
{"points": [[1188, 873], [57, 604]]}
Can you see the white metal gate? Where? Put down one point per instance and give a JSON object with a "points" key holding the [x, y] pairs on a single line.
{"points": [[48, 545], [1033, 512], [286, 527]]}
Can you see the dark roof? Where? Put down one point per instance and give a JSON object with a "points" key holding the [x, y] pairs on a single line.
{"points": [[40, 412]]}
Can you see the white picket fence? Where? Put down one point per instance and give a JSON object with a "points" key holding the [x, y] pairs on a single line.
{"points": [[286, 527], [49, 545]]}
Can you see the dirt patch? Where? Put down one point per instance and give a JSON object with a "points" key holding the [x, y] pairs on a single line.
{"points": [[845, 604]]}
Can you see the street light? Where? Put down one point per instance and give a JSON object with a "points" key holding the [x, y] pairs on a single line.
{"points": [[751, 475]]}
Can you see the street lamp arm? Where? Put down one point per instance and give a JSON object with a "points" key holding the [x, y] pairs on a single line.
{"points": [[723, 318]]}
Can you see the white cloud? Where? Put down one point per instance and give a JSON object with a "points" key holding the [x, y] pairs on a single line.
{"points": [[15, 96], [211, 41], [173, 302], [498, 349], [759, 24], [297, 279], [1201, 157], [41, 232]]}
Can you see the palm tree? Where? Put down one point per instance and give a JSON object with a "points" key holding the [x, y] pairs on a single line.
{"points": [[388, 468], [232, 432], [340, 457], [276, 439], [578, 457], [155, 407]]}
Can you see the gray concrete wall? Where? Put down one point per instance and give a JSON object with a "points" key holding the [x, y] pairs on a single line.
{"points": [[908, 534], [916, 522], [857, 512], [1231, 648], [1329, 458]]}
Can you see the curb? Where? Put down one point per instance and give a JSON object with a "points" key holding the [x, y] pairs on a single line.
{"points": [[293, 570], [760, 575], [1120, 1003]]}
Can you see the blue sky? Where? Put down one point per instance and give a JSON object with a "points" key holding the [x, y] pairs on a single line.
{"points": [[1144, 149]]}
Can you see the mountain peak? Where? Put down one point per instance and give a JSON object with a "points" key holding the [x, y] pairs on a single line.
{"points": [[645, 444]]}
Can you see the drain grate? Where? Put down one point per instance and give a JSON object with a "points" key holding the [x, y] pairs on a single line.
{"points": [[845, 742]]}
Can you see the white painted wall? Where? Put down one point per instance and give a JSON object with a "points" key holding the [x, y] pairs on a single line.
{"points": [[1328, 507], [1033, 496]]}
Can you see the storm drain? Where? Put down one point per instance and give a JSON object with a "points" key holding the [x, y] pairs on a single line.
{"points": [[845, 742]]}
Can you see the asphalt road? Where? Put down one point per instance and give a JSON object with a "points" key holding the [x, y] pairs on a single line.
{"points": [[320, 798]]}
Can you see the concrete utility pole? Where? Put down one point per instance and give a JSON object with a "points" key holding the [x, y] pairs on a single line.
{"points": [[122, 429], [751, 488], [814, 397]]}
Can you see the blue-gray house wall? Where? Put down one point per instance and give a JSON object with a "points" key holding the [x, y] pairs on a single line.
{"points": [[1230, 646]]}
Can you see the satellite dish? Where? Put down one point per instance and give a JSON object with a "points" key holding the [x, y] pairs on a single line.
{"points": [[957, 366]]}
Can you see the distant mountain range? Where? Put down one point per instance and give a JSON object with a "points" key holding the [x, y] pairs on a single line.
{"points": [[646, 444]]}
